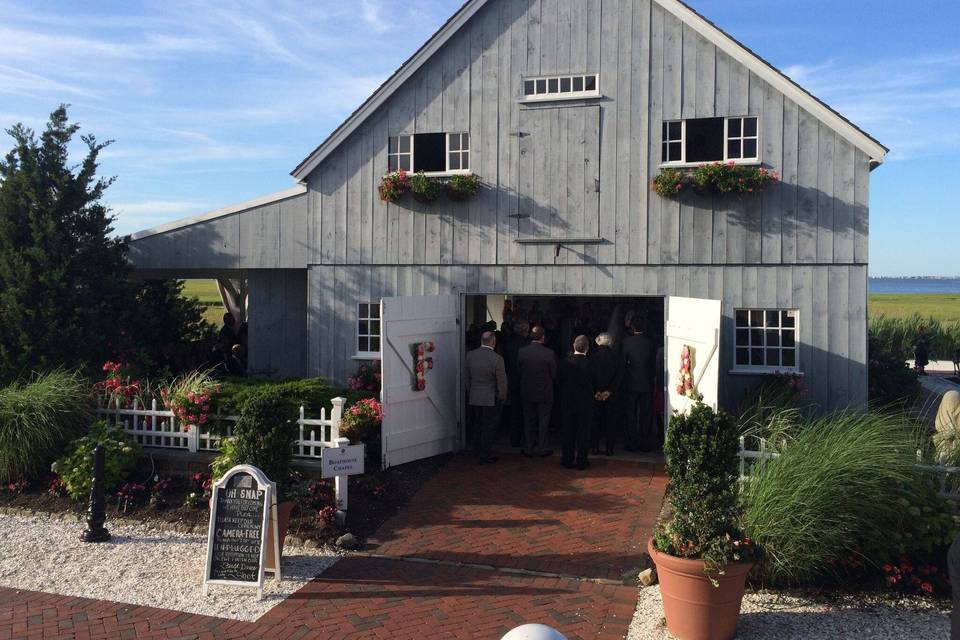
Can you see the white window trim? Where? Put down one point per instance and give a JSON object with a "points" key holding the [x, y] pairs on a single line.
{"points": [[554, 97], [750, 369], [726, 140], [683, 164], [367, 355], [446, 156]]}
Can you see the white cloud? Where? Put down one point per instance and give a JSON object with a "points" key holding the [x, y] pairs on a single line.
{"points": [[373, 15]]}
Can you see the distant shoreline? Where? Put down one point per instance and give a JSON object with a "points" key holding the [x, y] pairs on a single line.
{"points": [[914, 285]]}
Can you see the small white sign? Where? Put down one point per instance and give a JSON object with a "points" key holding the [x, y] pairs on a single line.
{"points": [[341, 461]]}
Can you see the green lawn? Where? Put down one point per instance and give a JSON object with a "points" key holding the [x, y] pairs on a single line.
{"points": [[206, 292], [944, 307]]}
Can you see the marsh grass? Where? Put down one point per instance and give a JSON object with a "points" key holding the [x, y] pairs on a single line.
{"points": [[838, 488], [38, 418]]}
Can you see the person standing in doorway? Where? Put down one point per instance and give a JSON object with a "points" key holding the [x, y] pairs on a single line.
{"points": [[486, 380], [638, 352], [511, 355], [577, 388], [538, 371], [608, 367]]}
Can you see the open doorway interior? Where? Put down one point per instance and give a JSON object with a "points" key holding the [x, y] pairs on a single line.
{"points": [[635, 423]]}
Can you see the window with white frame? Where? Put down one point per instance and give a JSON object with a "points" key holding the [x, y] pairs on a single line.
{"points": [[741, 138], [432, 153], [699, 140], [561, 87], [368, 329], [766, 340]]}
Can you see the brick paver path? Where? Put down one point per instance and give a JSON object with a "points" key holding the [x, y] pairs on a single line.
{"points": [[549, 540]]}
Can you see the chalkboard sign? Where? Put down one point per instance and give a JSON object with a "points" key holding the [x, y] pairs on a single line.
{"points": [[243, 503]]}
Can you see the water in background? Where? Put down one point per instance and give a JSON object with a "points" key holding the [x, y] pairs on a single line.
{"points": [[914, 285]]}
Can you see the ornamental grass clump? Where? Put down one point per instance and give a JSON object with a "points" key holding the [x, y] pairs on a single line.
{"points": [[38, 418], [842, 489], [702, 463]]}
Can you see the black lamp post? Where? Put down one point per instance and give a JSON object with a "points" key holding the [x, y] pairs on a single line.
{"points": [[96, 511]]}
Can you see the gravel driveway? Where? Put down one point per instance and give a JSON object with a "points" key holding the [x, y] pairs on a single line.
{"points": [[140, 565], [774, 616]]}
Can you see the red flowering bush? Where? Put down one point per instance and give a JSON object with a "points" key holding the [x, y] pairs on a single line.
{"points": [[361, 421], [130, 494], [327, 515], [189, 397], [119, 383], [158, 492], [56, 487], [923, 578], [16, 486], [367, 379]]}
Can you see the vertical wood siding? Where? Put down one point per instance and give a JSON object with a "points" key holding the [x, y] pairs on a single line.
{"points": [[652, 67], [832, 322]]}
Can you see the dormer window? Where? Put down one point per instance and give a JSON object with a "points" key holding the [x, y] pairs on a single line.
{"points": [[432, 153], [700, 140]]}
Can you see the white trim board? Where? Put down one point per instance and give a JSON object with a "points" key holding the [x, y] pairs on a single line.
{"points": [[223, 211], [707, 29]]}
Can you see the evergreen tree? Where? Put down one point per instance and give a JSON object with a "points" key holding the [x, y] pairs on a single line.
{"points": [[65, 287]]}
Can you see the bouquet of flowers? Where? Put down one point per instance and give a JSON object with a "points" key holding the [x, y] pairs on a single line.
{"points": [[685, 386], [423, 364]]}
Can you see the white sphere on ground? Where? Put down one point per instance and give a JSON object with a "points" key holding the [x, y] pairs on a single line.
{"points": [[534, 632]]}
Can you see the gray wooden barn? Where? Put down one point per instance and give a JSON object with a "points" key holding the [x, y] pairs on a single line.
{"points": [[565, 109]]}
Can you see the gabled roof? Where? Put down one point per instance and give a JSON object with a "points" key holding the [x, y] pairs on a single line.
{"points": [[724, 41], [271, 198]]}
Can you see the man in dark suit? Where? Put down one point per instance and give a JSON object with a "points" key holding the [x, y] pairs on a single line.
{"points": [[538, 370], [638, 353], [511, 355], [577, 389], [608, 369], [486, 381]]}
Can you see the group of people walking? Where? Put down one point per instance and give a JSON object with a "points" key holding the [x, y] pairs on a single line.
{"points": [[602, 387]]}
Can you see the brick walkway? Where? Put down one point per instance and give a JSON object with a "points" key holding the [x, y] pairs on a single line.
{"points": [[517, 515]]}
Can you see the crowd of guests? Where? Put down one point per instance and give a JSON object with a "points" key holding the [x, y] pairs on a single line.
{"points": [[598, 387]]}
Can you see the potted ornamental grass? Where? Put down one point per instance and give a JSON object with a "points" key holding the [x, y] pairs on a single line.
{"points": [[702, 559]]}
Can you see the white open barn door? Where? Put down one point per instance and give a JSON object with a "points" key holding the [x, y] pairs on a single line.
{"points": [[694, 323], [420, 424]]}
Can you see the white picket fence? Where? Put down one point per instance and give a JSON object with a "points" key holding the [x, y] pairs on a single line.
{"points": [[160, 428], [943, 471]]}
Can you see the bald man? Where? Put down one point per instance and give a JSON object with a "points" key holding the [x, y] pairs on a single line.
{"points": [[486, 380]]}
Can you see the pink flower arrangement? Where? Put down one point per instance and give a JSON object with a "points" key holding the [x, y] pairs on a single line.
{"points": [[685, 386], [190, 399], [362, 420], [422, 364]]}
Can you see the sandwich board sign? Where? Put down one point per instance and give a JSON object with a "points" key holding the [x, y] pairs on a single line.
{"points": [[242, 507]]}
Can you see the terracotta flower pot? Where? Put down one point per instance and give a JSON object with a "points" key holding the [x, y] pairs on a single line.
{"points": [[693, 607]]}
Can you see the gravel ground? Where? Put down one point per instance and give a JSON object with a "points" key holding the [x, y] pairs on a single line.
{"points": [[773, 615], [140, 565]]}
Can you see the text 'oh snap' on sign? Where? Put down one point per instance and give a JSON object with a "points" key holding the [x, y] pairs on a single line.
{"points": [[342, 461]]}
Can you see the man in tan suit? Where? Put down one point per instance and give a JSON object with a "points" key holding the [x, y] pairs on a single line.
{"points": [[486, 379]]}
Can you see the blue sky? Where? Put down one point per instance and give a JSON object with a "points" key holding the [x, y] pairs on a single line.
{"points": [[211, 103]]}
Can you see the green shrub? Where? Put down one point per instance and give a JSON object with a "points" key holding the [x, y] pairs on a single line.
{"points": [[263, 437], [891, 382], [38, 418], [76, 467], [843, 485], [702, 463], [463, 186]]}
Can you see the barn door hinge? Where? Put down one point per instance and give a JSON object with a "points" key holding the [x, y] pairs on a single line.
{"points": [[518, 134], [596, 185]]}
